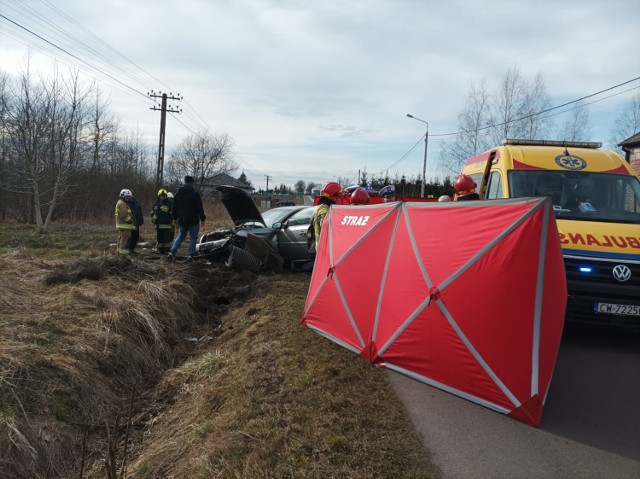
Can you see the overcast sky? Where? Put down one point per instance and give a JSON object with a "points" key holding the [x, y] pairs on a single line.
{"points": [[319, 90]]}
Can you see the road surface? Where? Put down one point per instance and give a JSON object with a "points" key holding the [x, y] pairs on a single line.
{"points": [[590, 426]]}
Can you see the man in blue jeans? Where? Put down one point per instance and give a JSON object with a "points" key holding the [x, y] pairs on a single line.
{"points": [[188, 214]]}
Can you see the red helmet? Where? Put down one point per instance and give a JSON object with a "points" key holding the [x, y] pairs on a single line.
{"points": [[464, 185], [332, 190], [359, 197]]}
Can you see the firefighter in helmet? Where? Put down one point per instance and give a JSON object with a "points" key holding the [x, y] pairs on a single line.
{"points": [[359, 197], [330, 194], [125, 220], [161, 217], [465, 188]]}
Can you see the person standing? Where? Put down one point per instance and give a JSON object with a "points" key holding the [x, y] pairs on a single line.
{"points": [[465, 188], [125, 221], [330, 194], [138, 215], [172, 236], [359, 197], [161, 217], [188, 213], [388, 193]]}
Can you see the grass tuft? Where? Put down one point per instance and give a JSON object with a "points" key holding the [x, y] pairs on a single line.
{"points": [[224, 380]]}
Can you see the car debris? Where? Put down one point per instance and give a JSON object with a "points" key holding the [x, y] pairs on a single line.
{"points": [[271, 240]]}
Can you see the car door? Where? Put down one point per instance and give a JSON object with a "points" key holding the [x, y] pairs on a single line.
{"points": [[292, 236]]}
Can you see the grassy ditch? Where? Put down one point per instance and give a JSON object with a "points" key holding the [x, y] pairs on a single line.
{"points": [[119, 367]]}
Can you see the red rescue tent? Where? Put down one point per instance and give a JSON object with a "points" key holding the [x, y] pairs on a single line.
{"points": [[468, 297]]}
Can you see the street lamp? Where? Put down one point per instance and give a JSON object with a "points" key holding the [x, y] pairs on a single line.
{"points": [[424, 164]]}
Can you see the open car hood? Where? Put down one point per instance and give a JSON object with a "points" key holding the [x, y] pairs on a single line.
{"points": [[240, 207]]}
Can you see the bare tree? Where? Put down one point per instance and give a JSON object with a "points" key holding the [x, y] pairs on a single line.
{"points": [[535, 99], [487, 118], [3, 142], [627, 123], [515, 108], [473, 123], [202, 155], [576, 127]]}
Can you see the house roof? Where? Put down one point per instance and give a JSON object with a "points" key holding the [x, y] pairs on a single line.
{"points": [[224, 179], [631, 141]]}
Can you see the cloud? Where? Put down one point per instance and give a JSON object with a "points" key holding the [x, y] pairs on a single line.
{"points": [[307, 88]]}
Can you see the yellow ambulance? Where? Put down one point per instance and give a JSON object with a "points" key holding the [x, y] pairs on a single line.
{"points": [[596, 202]]}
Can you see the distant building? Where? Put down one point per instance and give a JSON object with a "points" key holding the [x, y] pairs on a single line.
{"points": [[209, 185], [631, 148]]}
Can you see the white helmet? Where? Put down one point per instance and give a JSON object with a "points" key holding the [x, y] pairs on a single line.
{"points": [[125, 192], [169, 194], [444, 198]]}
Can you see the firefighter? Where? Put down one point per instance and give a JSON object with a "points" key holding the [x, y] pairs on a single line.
{"points": [[125, 221], [329, 195], [359, 197], [162, 218], [138, 216], [388, 193], [465, 189]]}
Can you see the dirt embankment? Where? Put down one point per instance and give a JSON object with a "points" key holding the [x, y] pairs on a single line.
{"points": [[117, 367]]}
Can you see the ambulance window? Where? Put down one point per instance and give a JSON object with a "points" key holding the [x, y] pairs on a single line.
{"points": [[494, 188]]}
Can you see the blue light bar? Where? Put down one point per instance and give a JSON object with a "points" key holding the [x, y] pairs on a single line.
{"points": [[585, 269]]}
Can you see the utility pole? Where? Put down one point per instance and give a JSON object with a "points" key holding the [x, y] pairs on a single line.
{"points": [[424, 163], [163, 122], [268, 197]]}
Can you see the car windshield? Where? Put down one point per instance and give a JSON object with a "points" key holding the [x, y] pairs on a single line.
{"points": [[581, 195], [276, 215]]}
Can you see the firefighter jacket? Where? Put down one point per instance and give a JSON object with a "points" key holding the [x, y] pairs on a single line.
{"points": [[318, 219], [124, 216], [161, 216]]}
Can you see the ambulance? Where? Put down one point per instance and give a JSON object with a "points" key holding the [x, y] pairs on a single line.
{"points": [[596, 202]]}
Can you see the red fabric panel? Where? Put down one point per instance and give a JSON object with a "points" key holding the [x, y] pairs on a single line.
{"points": [[448, 237], [350, 223], [432, 348], [530, 412], [492, 301], [404, 289], [368, 260], [553, 307]]}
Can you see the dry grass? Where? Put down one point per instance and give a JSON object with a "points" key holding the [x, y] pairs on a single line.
{"points": [[237, 390], [270, 398]]}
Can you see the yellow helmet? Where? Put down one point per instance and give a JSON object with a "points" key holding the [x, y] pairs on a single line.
{"points": [[162, 191]]}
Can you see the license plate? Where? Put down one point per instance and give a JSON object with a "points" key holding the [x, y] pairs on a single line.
{"points": [[621, 309]]}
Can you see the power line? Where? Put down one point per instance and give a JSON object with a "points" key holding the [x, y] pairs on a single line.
{"points": [[526, 116], [92, 52], [539, 112], [71, 55]]}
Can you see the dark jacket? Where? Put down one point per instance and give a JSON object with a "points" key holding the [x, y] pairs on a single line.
{"points": [[162, 215], [187, 206], [469, 197], [136, 207]]}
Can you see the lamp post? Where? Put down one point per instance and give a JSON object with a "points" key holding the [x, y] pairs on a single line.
{"points": [[424, 164]]}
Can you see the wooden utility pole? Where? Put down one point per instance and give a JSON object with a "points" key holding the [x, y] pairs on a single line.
{"points": [[268, 197], [163, 122]]}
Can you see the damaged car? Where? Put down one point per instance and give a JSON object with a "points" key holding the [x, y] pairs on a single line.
{"points": [[284, 229]]}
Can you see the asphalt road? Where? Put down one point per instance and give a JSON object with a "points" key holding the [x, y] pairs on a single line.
{"points": [[590, 426]]}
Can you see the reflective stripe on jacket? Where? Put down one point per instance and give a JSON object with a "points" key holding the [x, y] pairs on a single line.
{"points": [[318, 218], [124, 216], [161, 216]]}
